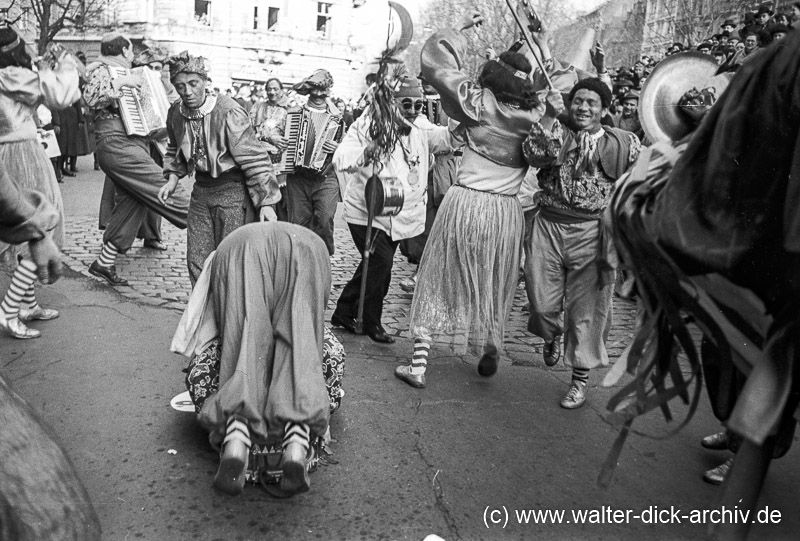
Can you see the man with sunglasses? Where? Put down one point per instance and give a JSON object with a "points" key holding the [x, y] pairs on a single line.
{"points": [[441, 176], [408, 164]]}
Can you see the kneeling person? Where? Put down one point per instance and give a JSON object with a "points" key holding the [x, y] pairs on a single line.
{"points": [[262, 296]]}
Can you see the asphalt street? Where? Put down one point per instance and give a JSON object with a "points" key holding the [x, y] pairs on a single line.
{"points": [[467, 458]]}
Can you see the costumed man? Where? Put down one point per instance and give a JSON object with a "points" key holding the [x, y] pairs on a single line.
{"points": [[408, 164], [442, 175], [269, 120], [572, 275], [47, 502], [313, 195], [153, 58], [211, 137], [124, 158]]}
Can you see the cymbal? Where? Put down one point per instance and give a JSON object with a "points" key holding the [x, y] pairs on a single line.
{"points": [[659, 114]]}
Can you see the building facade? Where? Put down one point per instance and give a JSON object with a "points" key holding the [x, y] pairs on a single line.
{"points": [[248, 40]]}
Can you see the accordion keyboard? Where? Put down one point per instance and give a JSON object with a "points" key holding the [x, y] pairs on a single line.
{"points": [[292, 133]]}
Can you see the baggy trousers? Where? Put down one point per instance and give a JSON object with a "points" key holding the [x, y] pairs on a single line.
{"points": [[215, 211], [567, 298], [270, 283], [137, 179]]}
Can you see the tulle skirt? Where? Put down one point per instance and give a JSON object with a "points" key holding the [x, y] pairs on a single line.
{"points": [[29, 167], [469, 270]]}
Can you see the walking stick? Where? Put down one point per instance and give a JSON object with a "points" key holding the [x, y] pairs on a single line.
{"points": [[371, 198]]}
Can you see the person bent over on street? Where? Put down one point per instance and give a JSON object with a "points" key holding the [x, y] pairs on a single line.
{"points": [[262, 296], [211, 136], [124, 158], [571, 275]]}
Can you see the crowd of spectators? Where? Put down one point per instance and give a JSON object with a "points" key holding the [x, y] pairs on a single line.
{"points": [[731, 46]]}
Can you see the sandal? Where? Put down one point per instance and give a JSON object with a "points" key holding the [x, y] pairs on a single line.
{"points": [[230, 476]]}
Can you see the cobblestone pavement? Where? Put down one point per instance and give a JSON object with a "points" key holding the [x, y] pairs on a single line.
{"points": [[161, 279]]}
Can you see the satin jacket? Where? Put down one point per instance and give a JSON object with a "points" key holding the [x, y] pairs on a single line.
{"points": [[493, 130], [23, 90], [229, 141]]}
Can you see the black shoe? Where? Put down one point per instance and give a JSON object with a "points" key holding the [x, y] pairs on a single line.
{"points": [[487, 366], [716, 442], [345, 322], [552, 352], [379, 335], [155, 245], [68, 173], [107, 273]]}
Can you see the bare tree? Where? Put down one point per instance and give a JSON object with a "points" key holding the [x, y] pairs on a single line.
{"points": [[696, 20], [498, 32], [53, 16]]}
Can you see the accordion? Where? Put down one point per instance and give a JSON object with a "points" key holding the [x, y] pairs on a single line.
{"points": [[307, 131], [144, 112]]}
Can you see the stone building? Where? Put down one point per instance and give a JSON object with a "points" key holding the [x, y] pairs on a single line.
{"points": [[249, 40]]}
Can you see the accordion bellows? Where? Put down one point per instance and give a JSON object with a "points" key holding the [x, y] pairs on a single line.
{"points": [[144, 112]]}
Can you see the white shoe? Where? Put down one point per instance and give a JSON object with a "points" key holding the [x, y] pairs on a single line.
{"points": [[575, 397], [18, 329], [38, 313]]}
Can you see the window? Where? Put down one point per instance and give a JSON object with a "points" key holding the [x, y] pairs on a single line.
{"points": [[272, 19], [324, 18], [201, 11]]}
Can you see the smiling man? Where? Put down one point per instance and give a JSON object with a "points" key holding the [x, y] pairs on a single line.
{"points": [[211, 136], [572, 277]]}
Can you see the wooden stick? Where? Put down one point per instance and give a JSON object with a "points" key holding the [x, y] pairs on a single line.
{"points": [[529, 40]]}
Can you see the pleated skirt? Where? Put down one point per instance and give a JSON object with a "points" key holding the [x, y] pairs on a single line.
{"points": [[31, 169]]}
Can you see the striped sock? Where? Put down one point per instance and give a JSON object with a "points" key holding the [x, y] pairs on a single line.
{"points": [[108, 256], [24, 276], [296, 433], [419, 363], [580, 374], [30, 298]]}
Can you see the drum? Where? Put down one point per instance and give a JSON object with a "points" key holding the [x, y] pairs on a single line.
{"points": [[386, 193]]}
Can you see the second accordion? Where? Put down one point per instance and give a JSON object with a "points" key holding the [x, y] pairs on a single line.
{"points": [[307, 131]]}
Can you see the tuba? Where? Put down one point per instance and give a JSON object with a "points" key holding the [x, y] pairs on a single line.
{"points": [[659, 112]]}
